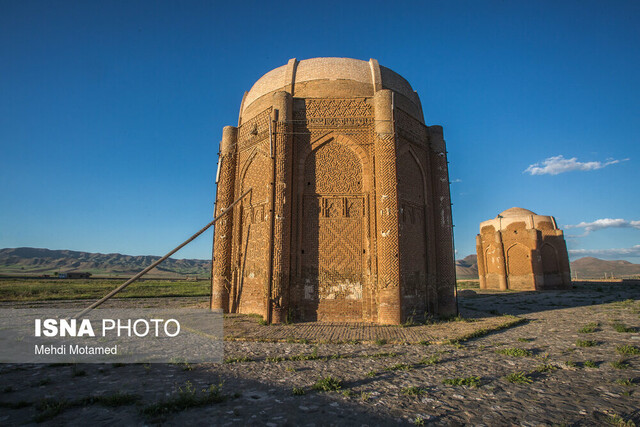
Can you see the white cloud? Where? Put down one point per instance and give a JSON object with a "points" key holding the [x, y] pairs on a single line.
{"points": [[599, 224], [455, 181], [631, 252], [558, 164]]}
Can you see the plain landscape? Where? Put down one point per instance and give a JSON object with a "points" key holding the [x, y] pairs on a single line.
{"points": [[39, 261], [582, 268], [530, 358], [567, 357]]}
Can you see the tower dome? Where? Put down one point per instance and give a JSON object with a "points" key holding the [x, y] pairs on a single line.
{"points": [[330, 78], [513, 212]]}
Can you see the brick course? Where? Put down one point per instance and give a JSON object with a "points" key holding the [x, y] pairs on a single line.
{"points": [[349, 219]]}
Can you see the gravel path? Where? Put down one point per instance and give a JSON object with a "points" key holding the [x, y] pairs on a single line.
{"points": [[566, 377]]}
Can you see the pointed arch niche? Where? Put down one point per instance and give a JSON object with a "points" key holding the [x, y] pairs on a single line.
{"points": [[333, 232]]}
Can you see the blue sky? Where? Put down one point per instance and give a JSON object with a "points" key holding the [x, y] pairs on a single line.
{"points": [[111, 111]]}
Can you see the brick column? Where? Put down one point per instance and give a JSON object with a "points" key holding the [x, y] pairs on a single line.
{"points": [[386, 190], [502, 262], [283, 142], [563, 258], [537, 268], [221, 263], [446, 274], [480, 261]]}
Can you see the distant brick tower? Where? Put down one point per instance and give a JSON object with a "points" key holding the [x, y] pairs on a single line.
{"points": [[521, 250], [350, 217]]}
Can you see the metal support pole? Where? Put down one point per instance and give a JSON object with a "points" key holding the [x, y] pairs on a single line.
{"points": [[158, 262]]}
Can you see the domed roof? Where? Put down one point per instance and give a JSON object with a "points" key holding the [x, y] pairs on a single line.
{"points": [[306, 70], [515, 212], [532, 220]]}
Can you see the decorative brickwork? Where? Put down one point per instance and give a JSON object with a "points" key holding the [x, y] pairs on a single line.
{"points": [[411, 128], [344, 222], [443, 226], [520, 250], [221, 268], [254, 130], [335, 112], [412, 223], [332, 234], [282, 218], [252, 229]]}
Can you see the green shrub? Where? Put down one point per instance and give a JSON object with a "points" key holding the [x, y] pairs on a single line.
{"points": [[413, 391], [399, 367], [628, 349], [515, 352], [519, 378], [619, 327], [589, 328], [620, 364], [431, 360], [328, 383], [186, 397], [468, 381], [545, 368]]}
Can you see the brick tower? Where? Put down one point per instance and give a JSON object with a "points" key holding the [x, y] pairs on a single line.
{"points": [[349, 217], [521, 250]]}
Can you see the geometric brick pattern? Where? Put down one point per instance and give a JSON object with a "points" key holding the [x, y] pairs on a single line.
{"points": [[332, 113], [413, 256], [388, 212], [282, 220], [222, 244], [410, 128], [332, 234], [518, 260], [333, 168], [521, 250], [350, 217], [254, 130]]}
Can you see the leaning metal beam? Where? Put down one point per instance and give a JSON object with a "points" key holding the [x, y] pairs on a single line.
{"points": [[158, 262]]}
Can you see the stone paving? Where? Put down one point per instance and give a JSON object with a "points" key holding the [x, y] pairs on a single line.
{"points": [[572, 362], [243, 328]]}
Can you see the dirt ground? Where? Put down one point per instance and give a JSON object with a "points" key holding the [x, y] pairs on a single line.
{"points": [[531, 358]]}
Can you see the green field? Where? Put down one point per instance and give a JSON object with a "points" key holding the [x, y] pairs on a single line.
{"points": [[468, 284], [66, 289]]}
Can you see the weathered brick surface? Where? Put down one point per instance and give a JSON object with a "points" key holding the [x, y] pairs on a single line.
{"points": [[520, 250], [240, 328], [345, 222], [221, 268]]}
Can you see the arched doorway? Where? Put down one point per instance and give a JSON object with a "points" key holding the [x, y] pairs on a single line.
{"points": [[417, 296], [251, 260], [550, 265], [518, 266], [332, 250]]}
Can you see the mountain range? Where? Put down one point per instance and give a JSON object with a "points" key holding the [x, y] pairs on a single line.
{"points": [[36, 261], [582, 268], [467, 267]]}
